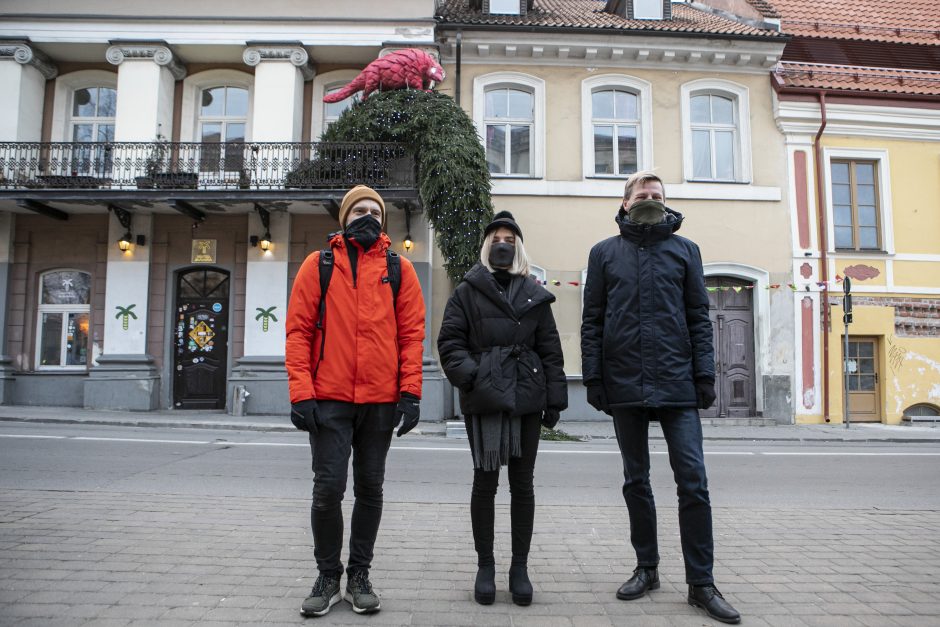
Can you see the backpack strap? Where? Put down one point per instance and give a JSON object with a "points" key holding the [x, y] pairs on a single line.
{"points": [[326, 273], [393, 261]]}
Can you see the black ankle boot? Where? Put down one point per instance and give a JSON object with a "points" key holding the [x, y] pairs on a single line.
{"points": [[519, 585], [484, 590]]}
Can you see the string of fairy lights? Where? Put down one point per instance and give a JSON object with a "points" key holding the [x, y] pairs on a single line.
{"points": [[453, 179]]}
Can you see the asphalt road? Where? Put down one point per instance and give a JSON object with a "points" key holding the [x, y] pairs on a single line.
{"points": [[436, 470]]}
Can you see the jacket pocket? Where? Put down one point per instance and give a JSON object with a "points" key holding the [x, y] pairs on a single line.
{"points": [[494, 385], [531, 390]]}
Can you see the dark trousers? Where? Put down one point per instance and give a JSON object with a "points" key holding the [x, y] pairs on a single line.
{"points": [[366, 431], [522, 497], [682, 429]]}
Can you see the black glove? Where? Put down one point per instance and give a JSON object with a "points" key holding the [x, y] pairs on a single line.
{"points": [[597, 398], [705, 393], [407, 412], [304, 415], [550, 418]]}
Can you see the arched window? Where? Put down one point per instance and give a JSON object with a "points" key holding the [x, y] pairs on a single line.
{"points": [[615, 121], [509, 111], [508, 118], [223, 118], [617, 137], [716, 130], [92, 117], [63, 323], [83, 113], [332, 110]]}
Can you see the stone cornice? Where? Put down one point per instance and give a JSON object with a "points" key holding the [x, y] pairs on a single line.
{"points": [[657, 52], [24, 54], [160, 53], [255, 53]]}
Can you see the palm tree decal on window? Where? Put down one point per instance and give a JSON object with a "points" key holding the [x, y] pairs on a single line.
{"points": [[264, 316], [126, 313]]}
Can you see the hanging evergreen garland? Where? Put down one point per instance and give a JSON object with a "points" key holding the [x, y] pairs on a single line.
{"points": [[453, 180]]}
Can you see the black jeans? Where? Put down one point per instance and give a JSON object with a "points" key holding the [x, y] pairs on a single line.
{"points": [[522, 497], [682, 429], [366, 431]]}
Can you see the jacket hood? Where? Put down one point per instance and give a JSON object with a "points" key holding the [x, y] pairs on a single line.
{"points": [[527, 295], [648, 233]]}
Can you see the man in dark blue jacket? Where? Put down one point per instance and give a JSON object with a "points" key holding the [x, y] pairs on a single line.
{"points": [[647, 354]]}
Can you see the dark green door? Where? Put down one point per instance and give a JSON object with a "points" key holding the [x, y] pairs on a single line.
{"points": [[200, 339]]}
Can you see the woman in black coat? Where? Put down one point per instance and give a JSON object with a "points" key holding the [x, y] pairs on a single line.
{"points": [[499, 346]]}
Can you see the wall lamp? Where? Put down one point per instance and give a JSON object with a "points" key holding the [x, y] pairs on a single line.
{"points": [[126, 240], [408, 244], [263, 242]]}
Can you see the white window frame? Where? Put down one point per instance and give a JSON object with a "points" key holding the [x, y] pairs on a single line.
{"points": [[65, 88], [192, 100], [741, 102], [883, 168], [504, 7], [526, 82], [644, 91], [322, 83], [640, 5], [63, 310]]}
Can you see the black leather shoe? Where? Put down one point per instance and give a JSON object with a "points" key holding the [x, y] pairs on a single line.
{"points": [[484, 589], [709, 599], [643, 579]]}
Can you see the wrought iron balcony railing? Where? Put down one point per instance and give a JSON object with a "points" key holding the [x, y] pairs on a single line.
{"points": [[204, 166]]}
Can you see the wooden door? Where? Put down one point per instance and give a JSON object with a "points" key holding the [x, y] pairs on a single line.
{"points": [[864, 397], [201, 339], [731, 311]]}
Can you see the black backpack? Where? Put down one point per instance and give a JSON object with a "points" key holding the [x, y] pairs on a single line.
{"points": [[393, 263]]}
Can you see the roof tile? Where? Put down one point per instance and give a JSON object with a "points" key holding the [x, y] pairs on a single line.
{"points": [[897, 21], [858, 79], [589, 14]]}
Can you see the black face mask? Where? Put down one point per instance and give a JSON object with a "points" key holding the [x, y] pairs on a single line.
{"points": [[364, 230], [502, 254]]}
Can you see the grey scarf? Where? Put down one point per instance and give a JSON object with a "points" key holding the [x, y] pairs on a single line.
{"points": [[496, 438]]}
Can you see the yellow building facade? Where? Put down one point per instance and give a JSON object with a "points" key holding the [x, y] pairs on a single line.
{"points": [[565, 200], [864, 203]]}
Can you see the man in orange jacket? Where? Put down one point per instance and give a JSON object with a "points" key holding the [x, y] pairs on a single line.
{"points": [[350, 392]]}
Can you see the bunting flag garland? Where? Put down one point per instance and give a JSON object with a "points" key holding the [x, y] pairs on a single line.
{"points": [[715, 288]]}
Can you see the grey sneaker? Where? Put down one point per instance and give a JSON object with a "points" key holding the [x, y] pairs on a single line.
{"points": [[359, 593], [324, 595]]}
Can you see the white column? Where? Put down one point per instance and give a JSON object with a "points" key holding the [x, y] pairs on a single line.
{"points": [[266, 288], [6, 262], [23, 74], [280, 72], [146, 76], [127, 289]]}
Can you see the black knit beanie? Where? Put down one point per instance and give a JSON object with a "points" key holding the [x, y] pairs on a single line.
{"points": [[503, 219]]}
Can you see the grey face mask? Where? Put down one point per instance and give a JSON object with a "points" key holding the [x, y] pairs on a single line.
{"points": [[647, 212]]}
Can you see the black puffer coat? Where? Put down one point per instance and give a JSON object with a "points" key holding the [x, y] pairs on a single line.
{"points": [[502, 356], [645, 332]]}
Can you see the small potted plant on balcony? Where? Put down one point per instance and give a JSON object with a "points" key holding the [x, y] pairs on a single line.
{"points": [[157, 170]]}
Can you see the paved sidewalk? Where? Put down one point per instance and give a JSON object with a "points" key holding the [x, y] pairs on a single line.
{"points": [[588, 430], [105, 559]]}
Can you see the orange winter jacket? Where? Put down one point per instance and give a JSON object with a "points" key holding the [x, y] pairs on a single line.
{"points": [[373, 352]]}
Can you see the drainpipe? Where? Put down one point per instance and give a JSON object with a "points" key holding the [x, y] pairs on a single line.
{"points": [[823, 247], [459, 45]]}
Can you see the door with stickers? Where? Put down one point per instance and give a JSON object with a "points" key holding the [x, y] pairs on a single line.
{"points": [[200, 339]]}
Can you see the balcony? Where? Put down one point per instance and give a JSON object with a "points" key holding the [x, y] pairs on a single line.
{"points": [[190, 171]]}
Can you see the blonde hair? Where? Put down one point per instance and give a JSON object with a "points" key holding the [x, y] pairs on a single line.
{"points": [[638, 178], [520, 261]]}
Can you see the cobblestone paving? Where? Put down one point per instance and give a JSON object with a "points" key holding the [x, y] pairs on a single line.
{"points": [[99, 558]]}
